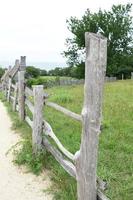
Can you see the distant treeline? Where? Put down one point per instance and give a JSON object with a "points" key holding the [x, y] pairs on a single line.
{"points": [[36, 76], [74, 72], [77, 71]]}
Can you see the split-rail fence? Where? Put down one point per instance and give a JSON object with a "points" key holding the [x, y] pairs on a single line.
{"points": [[83, 164]]}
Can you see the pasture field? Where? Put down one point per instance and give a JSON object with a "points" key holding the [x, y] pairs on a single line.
{"points": [[115, 162]]}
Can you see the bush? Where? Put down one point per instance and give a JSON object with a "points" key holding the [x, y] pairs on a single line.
{"points": [[46, 82], [32, 72]]}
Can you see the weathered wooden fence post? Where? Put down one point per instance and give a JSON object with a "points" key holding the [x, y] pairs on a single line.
{"points": [[21, 94], [6, 82], [86, 158], [38, 93], [9, 89], [21, 88], [22, 63], [5, 90], [15, 97], [3, 80]]}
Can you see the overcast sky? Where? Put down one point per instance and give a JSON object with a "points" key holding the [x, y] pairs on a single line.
{"points": [[37, 28]]}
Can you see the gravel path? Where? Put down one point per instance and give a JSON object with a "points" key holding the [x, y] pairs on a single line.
{"points": [[15, 183]]}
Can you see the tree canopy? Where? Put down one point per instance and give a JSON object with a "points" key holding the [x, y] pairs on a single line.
{"points": [[116, 25], [32, 72]]}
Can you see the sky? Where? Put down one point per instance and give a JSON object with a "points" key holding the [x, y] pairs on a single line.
{"points": [[38, 29]]}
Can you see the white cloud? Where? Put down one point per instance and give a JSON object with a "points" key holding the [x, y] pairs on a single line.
{"points": [[37, 28]]}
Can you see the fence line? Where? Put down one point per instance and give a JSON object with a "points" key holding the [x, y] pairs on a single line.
{"points": [[81, 165], [72, 81], [81, 81]]}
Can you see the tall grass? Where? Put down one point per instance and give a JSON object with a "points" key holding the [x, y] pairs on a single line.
{"points": [[115, 163]]}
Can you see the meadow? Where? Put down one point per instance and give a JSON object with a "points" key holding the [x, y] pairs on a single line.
{"points": [[115, 161]]}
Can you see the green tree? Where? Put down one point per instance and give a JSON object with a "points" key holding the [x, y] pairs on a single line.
{"points": [[56, 72], [43, 72], [32, 72], [116, 25]]}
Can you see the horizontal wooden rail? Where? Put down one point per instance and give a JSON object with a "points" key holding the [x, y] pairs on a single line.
{"points": [[13, 86], [101, 196], [47, 129], [13, 71], [12, 98], [102, 185], [65, 111], [28, 120], [28, 92], [30, 105], [49, 132], [67, 165]]}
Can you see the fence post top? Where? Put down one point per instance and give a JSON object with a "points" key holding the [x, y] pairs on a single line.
{"points": [[22, 62], [22, 58]]}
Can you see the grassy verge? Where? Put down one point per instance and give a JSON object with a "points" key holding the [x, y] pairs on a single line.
{"points": [[115, 162], [24, 154]]}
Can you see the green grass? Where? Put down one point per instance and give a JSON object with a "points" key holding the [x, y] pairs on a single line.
{"points": [[115, 162]]}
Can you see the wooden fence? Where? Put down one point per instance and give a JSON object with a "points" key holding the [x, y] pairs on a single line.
{"points": [[80, 81], [83, 164]]}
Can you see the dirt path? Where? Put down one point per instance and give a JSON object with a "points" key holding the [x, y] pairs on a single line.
{"points": [[15, 183]]}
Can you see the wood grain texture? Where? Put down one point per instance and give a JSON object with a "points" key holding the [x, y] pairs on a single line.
{"points": [[22, 63], [86, 162], [9, 89], [15, 97], [21, 96], [15, 69], [101, 196], [37, 117]]}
